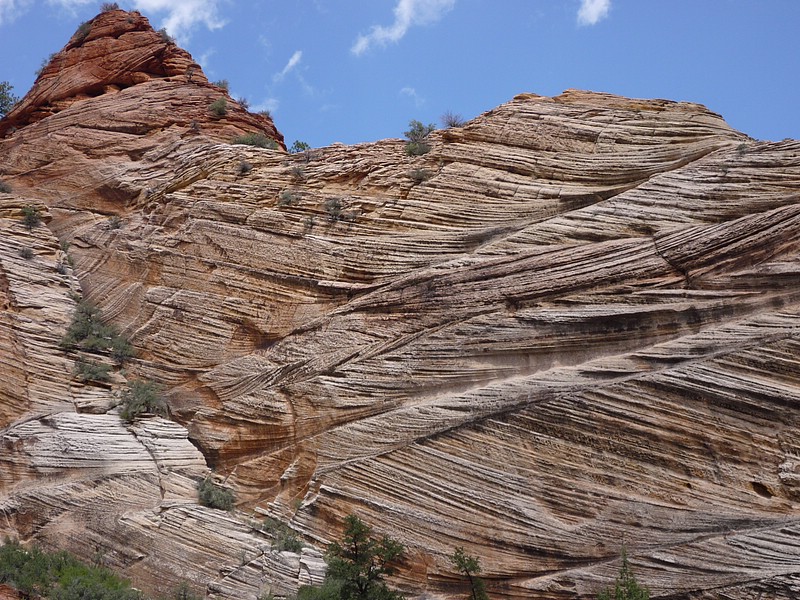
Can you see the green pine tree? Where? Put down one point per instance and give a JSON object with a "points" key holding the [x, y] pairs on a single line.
{"points": [[470, 567], [626, 587], [357, 566]]}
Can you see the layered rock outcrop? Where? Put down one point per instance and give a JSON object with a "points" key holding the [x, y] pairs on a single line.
{"points": [[572, 324]]}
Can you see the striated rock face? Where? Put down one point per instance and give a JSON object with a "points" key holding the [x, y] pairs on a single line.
{"points": [[572, 324]]}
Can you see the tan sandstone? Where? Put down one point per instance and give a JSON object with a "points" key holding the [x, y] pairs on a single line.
{"points": [[572, 324]]}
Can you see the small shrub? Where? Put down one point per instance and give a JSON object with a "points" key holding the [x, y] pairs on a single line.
{"points": [[297, 173], [417, 136], [83, 31], [61, 268], [450, 119], [256, 139], [219, 107], [59, 576], [265, 113], [30, 216], [222, 83], [140, 397], [244, 167], [86, 331], [419, 175], [215, 496], [244, 103], [283, 537], [108, 6], [4, 187], [288, 198], [184, 592], [91, 371], [334, 208], [298, 147], [26, 253], [165, 36], [7, 97], [120, 349], [114, 222]]}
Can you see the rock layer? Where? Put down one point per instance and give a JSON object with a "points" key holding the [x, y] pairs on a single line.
{"points": [[572, 324]]}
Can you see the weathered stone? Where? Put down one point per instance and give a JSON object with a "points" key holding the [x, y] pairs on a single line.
{"points": [[571, 325]]}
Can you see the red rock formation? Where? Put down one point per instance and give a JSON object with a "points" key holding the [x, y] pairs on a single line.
{"points": [[572, 323]]}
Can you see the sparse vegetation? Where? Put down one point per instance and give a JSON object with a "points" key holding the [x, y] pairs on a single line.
{"points": [[470, 567], [45, 61], [256, 139], [114, 222], [265, 113], [4, 187], [108, 6], [83, 31], [283, 537], [222, 83], [417, 136], [219, 107], [120, 348], [142, 397], [297, 173], [288, 198], [244, 103], [91, 371], [244, 167], [625, 587], [30, 216], [26, 253], [87, 332], [184, 592], [7, 98], [334, 208], [59, 576], [165, 36], [450, 119], [357, 566], [419, 175], [214, 495], [298, 147]]}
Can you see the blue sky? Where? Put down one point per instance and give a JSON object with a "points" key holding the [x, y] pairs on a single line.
{"points": [[359, 70]]}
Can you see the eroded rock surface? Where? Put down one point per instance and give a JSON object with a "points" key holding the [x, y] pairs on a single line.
{"points": [[572, 324]]}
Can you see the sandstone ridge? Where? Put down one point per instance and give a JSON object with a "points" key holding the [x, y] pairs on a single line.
{"points": [[572, 324]]}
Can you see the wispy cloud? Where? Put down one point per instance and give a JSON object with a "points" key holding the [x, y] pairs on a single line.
{"points": [[412, 93], [183, 15], [592, 11], [269, 105], [11, 9], [180, 18], [407, 13], [293, 62]]}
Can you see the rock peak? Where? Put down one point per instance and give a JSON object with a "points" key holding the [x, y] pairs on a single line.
{"points": [[115, 51]]}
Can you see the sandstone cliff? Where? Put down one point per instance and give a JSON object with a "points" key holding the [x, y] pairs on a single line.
{"points": [[572, 324]]}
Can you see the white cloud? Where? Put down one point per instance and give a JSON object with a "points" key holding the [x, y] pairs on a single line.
{"points": [[412, 93], [268, 104], [293, 62], [183, 15], [592, 11], [407, 13], [11, 9]]}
